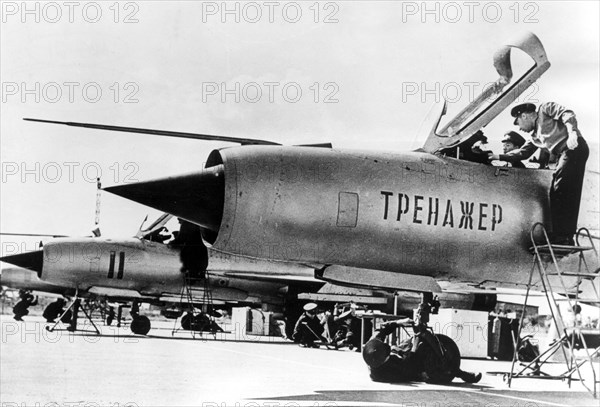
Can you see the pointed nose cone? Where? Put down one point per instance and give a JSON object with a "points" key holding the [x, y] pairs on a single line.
{"points": [[196, 197], [31, 260]]}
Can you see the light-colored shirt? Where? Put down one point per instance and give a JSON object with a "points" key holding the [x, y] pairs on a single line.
{"points": [[550, 132], [550, 126]]}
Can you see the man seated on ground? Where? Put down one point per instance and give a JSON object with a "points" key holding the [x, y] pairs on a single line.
{"points": [[21, 308], [54, 310], [308, 328], [399, 363], [348, 329]]}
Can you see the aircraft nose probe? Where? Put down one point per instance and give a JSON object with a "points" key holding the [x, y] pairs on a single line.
{"points": [[196, 197], [30, 260]]}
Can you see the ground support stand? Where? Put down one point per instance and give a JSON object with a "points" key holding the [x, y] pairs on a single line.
{"points": [[74, 307], [545, 261]]}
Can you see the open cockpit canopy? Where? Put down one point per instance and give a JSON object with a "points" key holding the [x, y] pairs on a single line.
{"points": [[492, 101]]}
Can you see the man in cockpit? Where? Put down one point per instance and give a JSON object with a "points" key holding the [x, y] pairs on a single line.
{"points": [[160, 235], [554, 129], [512, 141]]}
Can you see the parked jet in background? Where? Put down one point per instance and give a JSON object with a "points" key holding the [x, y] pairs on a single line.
{"points": [[19, 278], [141, 269]]}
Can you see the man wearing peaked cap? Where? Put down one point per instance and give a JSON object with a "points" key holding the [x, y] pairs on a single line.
{"points": [[554, 129], [522, 108], [310, 307], [308, 328]]}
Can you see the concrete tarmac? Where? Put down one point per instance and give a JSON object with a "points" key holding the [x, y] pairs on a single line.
{"points": [[41, 368]]}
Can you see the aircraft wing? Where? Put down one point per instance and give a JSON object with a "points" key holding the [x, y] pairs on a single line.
{"points": [[279, 278]]}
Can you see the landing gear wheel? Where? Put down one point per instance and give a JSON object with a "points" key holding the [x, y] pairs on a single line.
{"points": [[140, 325], [438, 370], [199, 322]]}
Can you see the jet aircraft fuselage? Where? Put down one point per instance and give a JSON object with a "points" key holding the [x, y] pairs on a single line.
{"points": [[414, 212], [411, 213]]}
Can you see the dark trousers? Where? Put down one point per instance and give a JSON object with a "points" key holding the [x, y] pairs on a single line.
{"points": [[565, 193]]}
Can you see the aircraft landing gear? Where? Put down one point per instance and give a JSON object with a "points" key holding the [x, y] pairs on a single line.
{"points": [[140, 325], [110, 316], [119, 315], [440, 369], [434, 358], [439, 353], [200, 322]]}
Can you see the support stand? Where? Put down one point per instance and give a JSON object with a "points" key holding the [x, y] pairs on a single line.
{"points": [[201, 320], [74, 307], [544, 255]]}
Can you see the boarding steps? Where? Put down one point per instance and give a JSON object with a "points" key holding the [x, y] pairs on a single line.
{"points": [[546, 258], [195, 290]]}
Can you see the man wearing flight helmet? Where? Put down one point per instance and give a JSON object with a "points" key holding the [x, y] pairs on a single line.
{"points": [[510, 142]]}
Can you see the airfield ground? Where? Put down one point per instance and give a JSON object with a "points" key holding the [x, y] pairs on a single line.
{"points": [[40, 368]]}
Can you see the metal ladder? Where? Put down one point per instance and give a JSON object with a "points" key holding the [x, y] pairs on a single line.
{"points": [[544, 256], [188, 299]]}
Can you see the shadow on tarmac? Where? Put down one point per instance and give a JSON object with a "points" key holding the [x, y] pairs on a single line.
{"points": [[465, 394], [180, 336]]}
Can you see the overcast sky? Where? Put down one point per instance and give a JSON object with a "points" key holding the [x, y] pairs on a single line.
{"points": [[368, 73]]}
